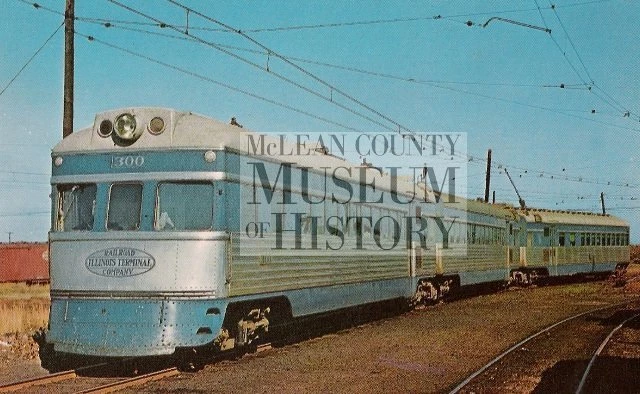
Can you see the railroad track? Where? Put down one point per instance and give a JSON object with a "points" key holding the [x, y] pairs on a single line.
{"points": [[59, 382], [43, 380], [596, 354], [489, 377]]}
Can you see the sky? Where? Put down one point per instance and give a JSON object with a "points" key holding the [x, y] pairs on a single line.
{"points": [[559, 109]]}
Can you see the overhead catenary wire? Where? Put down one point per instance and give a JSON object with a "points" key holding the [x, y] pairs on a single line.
{"points": [[415, 80], [4, 89], [433, 83], [215, 82], [486, 96], [238, 90], [340, 24], [514, 167], [616, 104], [333, 87], [37, 213], [278, 75], [41, 7], [355, 69], [400, 128]]}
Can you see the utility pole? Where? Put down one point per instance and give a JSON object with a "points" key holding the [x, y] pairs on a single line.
{"points": [[67, 119], [604, 212], [9, 232], [488, 178]]}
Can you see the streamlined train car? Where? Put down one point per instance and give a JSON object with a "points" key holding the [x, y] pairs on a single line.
{"points": [[172, 231]]}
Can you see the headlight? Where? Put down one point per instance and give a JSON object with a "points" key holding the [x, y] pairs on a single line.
{"points": [[156, 125], [125, 128], [105, 129]]}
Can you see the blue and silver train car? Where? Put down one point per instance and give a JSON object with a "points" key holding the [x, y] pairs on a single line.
{"points": [[568, 242], [147, 246], [173, 231]]}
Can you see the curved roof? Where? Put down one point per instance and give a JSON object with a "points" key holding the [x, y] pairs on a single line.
{"points": [[569, 217], [186, 130]]}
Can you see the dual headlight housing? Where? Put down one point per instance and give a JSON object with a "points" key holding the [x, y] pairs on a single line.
{"points": [[125, 130]]}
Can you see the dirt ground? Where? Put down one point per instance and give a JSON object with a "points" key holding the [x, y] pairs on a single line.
{"points": [[425, 350], [428, 350]]}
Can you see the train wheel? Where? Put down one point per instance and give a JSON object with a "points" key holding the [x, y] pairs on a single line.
{"points": [[426, 293]]}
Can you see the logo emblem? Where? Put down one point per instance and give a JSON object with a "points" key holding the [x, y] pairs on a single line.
{"points": [[119, 262]]}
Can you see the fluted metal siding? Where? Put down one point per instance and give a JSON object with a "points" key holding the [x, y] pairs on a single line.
{"points": [[255, 267]]}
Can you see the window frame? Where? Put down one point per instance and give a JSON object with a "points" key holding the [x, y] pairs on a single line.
{"points": [[156, 208], [108, 208], [60, 201]]}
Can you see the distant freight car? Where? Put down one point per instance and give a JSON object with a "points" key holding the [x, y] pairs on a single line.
{"points": [[24, 262]]}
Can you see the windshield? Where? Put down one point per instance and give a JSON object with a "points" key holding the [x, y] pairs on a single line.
{"points": [[124, 207], [76, 207], [184, 206]]}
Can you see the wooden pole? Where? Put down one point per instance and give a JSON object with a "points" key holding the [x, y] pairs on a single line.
{"points": [[67, 117], [488, 178]]}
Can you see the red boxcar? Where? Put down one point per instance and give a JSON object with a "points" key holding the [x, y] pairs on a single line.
{"points": [[24, 262]]}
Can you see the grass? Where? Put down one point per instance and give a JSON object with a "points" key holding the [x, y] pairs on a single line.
{"points": [[13, 291], [23, 308], [23, 316]]}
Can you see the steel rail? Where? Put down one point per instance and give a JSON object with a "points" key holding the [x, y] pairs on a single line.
{"points": [[56, 377], [115, 386], [462, 384], [598, 351]]}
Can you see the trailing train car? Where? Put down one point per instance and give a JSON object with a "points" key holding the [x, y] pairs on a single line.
{"points": [[566, 242], [24, 262], [172, 231]]}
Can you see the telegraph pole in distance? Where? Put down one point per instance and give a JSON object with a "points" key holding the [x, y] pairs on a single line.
{"points": [[67, 118], [488, 177]]}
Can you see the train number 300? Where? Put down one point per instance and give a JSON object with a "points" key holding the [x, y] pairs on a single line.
{"points": [[127, 161]]}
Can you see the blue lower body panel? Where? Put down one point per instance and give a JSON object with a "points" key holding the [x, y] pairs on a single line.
{"points": [[476, 277], [323, 299], [132, 327], [569, 269]]}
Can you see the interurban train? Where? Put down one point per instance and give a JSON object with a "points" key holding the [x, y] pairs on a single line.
{"points": [[171, 233]]}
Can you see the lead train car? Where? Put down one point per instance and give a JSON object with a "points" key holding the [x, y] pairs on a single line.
{"points": [[151, 251]]}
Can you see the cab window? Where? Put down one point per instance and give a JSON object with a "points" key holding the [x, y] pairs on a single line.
{"points": [[184, 206], [76, 207], [124, 207]]}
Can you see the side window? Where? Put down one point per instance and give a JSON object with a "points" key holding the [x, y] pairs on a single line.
{"points": [[76, 207], [184, 206], [124, 207], [561, 239]]}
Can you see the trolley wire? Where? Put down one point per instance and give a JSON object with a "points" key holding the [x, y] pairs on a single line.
{"points": [[31, 58], [37, 213], [612, 102], [275, 74], [215, 82], [432, 83], [352, 69], [579, 179], [338, 24]]}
